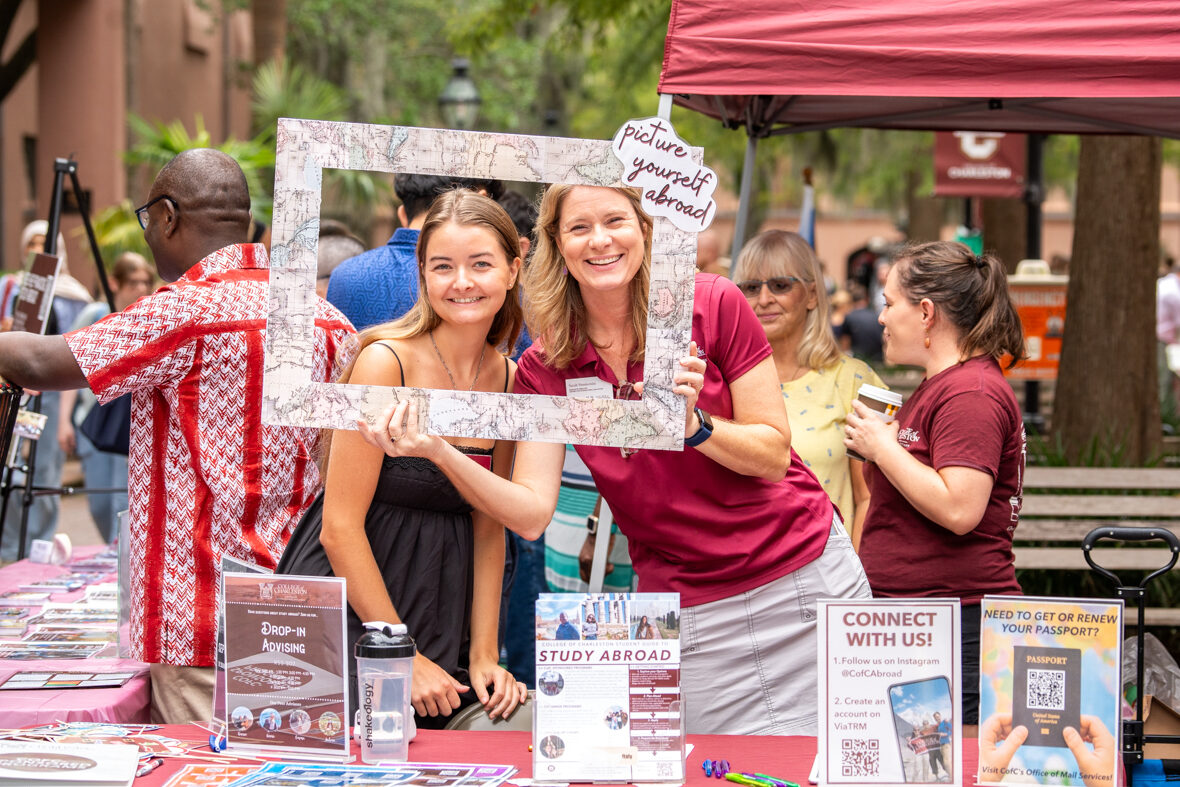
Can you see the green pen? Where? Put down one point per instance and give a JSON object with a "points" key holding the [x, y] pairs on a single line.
{"points": [[740, 779], [776, 780]]}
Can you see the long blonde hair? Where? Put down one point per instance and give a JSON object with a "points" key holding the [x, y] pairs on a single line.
{"points": [[781, 253], [465, 208], [556, 311]]}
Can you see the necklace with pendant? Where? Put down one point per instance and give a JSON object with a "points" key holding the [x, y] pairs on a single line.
{"points": [[447, 369]]}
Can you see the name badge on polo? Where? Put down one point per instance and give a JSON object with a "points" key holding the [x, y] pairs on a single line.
{"points": [[590, 387]]}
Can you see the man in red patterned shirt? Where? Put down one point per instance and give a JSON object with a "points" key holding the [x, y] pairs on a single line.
{"points": [[207, 477]]}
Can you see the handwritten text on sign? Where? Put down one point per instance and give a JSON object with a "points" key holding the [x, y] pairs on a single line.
{"points": [[657, 162]]}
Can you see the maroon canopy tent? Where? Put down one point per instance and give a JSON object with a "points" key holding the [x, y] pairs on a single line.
{"points": [[785, 66], [1087, 66]]}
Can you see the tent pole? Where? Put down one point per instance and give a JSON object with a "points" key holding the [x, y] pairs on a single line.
{"points": [[743, 214], [665, 108], [1034, 195]]}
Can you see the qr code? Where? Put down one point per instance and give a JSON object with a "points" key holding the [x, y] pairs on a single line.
{"points": [[859, 757], [1046, 689]]}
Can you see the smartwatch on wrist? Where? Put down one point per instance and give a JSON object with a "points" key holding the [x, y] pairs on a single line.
{"points": [[704, 432]]}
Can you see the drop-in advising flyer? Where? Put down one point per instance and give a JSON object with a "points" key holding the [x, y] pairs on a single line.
{"points": [[1049, 691], [889, 692], [286, 669], [608, 688]]}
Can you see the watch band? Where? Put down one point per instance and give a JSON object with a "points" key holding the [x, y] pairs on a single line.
{"points": [[704, 432]]}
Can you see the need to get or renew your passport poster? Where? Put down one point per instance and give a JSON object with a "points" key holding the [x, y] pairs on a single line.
{"points": [[1049, 691]]}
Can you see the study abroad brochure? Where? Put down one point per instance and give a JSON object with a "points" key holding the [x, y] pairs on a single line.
{"points": [[1049, 693], [608, 702], [889, 692]]}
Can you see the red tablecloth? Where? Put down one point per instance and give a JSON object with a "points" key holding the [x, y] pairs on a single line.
{"points": [[785, 757], [24, 708]]}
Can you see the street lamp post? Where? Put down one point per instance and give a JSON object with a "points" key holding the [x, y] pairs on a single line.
{"points": [[459, 101]]}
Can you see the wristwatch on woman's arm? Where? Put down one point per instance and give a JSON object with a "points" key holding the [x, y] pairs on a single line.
{"points": [[704, 432]]}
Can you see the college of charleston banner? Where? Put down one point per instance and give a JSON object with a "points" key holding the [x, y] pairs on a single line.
{"points": [[979, 164]]}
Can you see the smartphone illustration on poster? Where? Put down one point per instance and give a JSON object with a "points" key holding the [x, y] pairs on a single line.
{"points": [[922, 721]]}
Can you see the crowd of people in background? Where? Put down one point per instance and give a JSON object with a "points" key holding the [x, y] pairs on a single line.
{"points": [[787, 489]]}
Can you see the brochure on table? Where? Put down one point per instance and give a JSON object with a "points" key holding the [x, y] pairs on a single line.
{"points": [[890, 695], [286, 669], [46, 764], [608, 705], [228, 565], [412, 774], [1049, 691]]}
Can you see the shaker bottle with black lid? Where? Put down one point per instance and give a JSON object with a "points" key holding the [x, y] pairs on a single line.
{"points": [[384, 665]]}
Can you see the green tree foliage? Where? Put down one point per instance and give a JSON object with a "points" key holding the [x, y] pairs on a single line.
{"points": [[158, 143], [117, 230]]}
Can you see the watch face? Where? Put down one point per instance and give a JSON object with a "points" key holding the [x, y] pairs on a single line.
{"points": [[705, 419]]}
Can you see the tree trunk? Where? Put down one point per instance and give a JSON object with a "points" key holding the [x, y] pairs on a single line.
{"points": [[925, 213], [1004, 222], [1106, 409], [269, 19]]}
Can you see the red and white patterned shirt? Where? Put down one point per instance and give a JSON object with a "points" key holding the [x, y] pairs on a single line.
{"points": [[206, 477]]}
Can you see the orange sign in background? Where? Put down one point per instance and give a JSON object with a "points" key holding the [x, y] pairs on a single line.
{"points": [[1041, 307]]}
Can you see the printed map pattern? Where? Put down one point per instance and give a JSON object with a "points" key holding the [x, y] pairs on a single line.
{"points": [[306, 147]]}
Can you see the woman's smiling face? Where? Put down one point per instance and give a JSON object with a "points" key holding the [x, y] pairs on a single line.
{"points": [[600, 237], [467, 273]]}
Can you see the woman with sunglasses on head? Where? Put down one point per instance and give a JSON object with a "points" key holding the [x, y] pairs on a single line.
{"points": [[410, 545], [946, 475], [739, 527], [778, 273]]}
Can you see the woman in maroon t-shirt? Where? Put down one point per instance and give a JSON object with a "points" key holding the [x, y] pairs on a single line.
{"points": [[945, 477]]}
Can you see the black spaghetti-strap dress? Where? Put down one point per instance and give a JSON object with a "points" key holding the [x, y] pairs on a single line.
{"points": [[420, 531]]}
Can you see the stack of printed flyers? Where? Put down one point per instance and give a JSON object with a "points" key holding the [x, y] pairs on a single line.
{"points": [[34, 627], [42, 764], [286, 774]]}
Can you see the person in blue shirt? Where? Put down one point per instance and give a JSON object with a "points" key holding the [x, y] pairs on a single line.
{"points": [[380, 285], [565, 629], [944, 738]]}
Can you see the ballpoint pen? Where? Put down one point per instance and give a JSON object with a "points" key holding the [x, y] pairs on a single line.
{"points": [[149, 765]]}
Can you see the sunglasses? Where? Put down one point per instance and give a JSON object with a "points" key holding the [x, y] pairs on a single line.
{"points": [[779, 285]]}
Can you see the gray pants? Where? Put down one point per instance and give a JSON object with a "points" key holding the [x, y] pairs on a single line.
{"points": [[748, 661]]}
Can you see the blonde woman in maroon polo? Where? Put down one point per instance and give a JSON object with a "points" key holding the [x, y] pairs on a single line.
{"points": [[734, 523]]}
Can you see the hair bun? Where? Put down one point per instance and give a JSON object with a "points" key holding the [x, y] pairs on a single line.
{"points": [[979, 262]]}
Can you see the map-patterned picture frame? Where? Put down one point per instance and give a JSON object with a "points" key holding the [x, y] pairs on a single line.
{"points": [[306, 147]]}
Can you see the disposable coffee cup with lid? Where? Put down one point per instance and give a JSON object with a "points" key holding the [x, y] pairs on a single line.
{"points": [[884, 404]]}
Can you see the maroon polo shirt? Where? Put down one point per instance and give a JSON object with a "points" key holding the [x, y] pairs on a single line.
{"points": [[692, 526]]}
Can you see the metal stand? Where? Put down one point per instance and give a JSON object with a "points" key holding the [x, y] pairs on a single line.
{"points": [[1133, 736], [61, 168]]}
